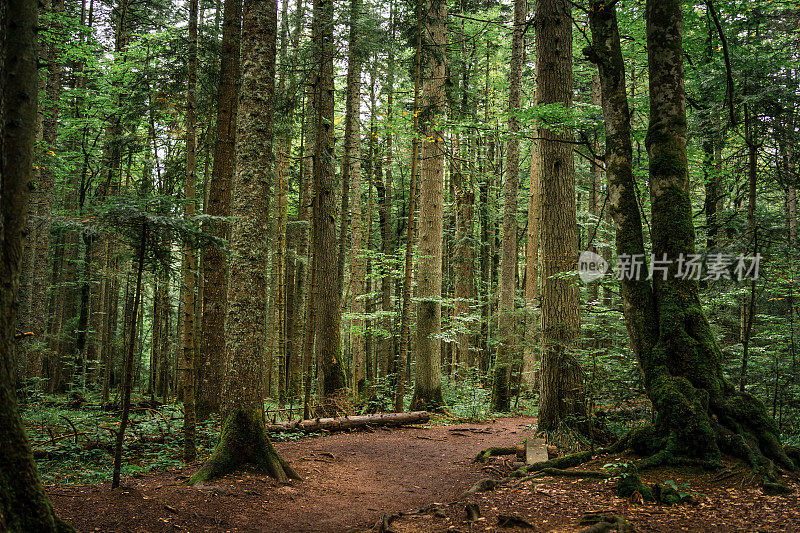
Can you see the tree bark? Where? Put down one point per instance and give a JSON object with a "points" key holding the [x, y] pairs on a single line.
{"points": [[351, 164], [327, 295], [561, 388], [243, 439], [34, 278], [428, 373], [212, 342], [531, 355], [188, 265], [24, 506], [501, 387], [699, 413]]}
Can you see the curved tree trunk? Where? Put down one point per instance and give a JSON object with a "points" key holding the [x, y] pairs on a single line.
{"points": [[699, 413], [243, 439]]}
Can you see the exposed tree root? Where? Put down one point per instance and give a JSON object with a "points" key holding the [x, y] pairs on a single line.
{"points": [[695, 427], [483, 485], [603, 522], [630, 483], [243, 441], [568, 461], [488, 453]]}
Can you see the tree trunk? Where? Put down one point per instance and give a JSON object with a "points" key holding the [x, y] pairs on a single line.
{"points": [[531, 355], [351, 164], [243, 439], [130, 347], [791, 203], [188, 264], [405, 319], [699, 413], [501, 387], [561, 388], [24, 506], [388, 345], [35, 280], [328, 313], [215, 261], [352, 422], [428, 373]]}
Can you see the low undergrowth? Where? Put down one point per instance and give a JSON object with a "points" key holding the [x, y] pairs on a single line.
{"points": [[73, 441]]}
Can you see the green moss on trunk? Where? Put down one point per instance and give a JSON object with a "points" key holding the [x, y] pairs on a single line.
{"points": [[243, 441]]}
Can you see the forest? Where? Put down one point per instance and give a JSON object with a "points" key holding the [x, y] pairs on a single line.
{"points": [[399, 265]]}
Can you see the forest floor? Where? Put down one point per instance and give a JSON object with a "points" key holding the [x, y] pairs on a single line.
{"points": [[410, 479]]}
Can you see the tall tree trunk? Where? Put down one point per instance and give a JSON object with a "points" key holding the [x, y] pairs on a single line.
{"points": [[388, 241], [188, 265], [561, 388], [212, 343], [113, 172], [24, 506], [351, 166], [531, 355], [465, 266], [463, 249], [302, 300], [791, 202], [485, 218], [243, 439], [405, 319], [328, 314], [37, 249], [501, 387], [749, 300], [428, 372]]}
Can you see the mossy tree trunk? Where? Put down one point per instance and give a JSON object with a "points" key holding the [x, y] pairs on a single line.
{"points": [[243, 439], [699, 413], [24, 506]]}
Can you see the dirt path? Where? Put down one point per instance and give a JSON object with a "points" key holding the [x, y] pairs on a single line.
{"points": [[349, 481]]}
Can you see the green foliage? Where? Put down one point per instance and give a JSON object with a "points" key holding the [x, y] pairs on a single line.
{"points": [[154, 441]]}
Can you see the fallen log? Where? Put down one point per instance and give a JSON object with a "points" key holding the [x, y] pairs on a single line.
{"points": [[351, 422]]}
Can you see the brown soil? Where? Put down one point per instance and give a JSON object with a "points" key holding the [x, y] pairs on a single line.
{"points": [[349, 481], [725, 501]]}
